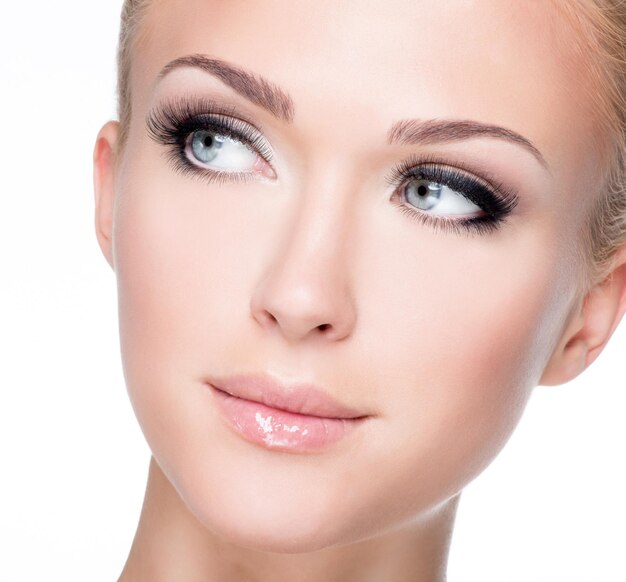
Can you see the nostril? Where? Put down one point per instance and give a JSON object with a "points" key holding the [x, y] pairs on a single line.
{"points": [[324, 326], [269, 317]]}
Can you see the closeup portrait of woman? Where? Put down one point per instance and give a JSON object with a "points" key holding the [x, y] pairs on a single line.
{"points": [[350, 240]]}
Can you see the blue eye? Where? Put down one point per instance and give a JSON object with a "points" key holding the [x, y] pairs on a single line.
{"points": [[219, 151], [205, 145], [450, 198], [439, 199]]}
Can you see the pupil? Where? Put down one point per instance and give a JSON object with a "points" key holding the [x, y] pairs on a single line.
{"points": [[422, 190], [208, 141]]}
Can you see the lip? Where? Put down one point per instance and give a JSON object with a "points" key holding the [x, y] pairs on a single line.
{"points": [[302, 398], [297, 418]]}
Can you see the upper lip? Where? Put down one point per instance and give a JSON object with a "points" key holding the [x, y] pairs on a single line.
{"points": [[301, 398]]}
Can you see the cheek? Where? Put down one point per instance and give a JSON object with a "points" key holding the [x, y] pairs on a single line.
{"points": [[178, 285], [466, 328], [184, 254]]}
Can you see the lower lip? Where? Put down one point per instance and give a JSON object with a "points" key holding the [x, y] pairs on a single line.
{"points": [[278, 429]]}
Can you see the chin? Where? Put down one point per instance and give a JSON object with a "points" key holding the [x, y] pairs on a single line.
{"points": [[279, 530], [260, 516]]}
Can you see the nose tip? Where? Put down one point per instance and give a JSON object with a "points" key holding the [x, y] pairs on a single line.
{"points": [[297, 313]]}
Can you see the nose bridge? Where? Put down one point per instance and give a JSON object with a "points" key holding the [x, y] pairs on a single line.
{"points": [[306, 287], [320, 221]]}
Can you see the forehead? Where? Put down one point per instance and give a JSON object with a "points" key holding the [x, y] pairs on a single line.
{"points": [[508, 63]]}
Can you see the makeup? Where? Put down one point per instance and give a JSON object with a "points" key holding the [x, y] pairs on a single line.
{"points": [[176, 122], [189, 127], [493, 201]]}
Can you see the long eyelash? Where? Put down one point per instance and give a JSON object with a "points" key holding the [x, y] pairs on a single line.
{"points": [[172, 123], [491, 196]]}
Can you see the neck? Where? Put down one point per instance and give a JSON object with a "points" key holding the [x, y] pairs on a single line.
{"points": [[172, 545]]}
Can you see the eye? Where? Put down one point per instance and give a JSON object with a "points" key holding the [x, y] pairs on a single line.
{"points": [[450, 197], [439, 199], [210, 141], [220, 152]]}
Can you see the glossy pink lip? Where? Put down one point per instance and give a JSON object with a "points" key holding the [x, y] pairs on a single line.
{"points": [[297, 418]]}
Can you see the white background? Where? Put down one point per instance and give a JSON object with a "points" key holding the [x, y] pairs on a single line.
{"points": [[73, 461]]}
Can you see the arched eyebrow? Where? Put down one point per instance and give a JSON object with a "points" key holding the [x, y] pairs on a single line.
{"points": [[253, 87], [428, 131], [279, 103]]}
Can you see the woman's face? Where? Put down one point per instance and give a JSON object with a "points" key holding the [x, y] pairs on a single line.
{"points": [[430, 304]]}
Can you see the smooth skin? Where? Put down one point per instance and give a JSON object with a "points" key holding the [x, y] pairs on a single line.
{"points": [[314, 274]]}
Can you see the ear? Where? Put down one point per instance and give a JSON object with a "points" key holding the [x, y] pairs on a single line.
{"points": [[104, 186], [590, 327]]}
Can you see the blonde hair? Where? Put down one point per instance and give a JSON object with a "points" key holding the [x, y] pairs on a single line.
{"points": [[600, 27], [131, 33], [601, 30]]}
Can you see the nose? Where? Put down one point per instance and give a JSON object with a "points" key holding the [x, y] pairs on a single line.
{"points": [[305, 291]]}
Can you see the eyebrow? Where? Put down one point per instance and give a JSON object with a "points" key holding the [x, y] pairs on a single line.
{"points": [[405, 132], [254, 87], [415, 131]]}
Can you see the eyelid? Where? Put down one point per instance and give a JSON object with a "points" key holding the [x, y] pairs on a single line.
{"points": [[505, 198], [234, 128], [173, 120], [415, 161], [187, 106]]}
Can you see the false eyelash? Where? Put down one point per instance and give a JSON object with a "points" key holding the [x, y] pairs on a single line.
{"points": [[172, 123], [487, 193]]}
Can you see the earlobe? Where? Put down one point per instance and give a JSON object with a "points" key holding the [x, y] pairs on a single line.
{"points": [[104, 187], [566, 363], [569, 357], [591, 327]]}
